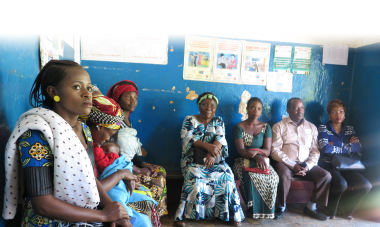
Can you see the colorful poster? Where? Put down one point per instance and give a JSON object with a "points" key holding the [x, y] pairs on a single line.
{"points": [[227, 61], [282, 61], [302, 60], [198, 58], [46, 49], [255, 64], [136, 48], [279, 82]]}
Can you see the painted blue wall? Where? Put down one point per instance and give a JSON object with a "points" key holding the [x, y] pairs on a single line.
{"points": [[19, 66], [364, 113], [159, 129]]}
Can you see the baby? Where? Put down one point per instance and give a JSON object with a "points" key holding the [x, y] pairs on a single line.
{"points": [[106, 154]]}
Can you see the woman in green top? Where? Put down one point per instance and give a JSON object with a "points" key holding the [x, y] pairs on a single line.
{"points": [[253, 140]]}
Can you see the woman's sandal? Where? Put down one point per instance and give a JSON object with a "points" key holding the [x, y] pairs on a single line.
{"points": [[237, 223], [180, 223]]}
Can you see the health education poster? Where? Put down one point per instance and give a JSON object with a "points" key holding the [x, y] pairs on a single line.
{"points": [[279, 82], [227, 61], [302, 60], [255, 63], [198, 58], [46, 49], [282, 61]]}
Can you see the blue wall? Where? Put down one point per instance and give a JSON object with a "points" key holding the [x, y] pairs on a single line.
{"points": [[365, 113], [19, 66], [159, 129]]}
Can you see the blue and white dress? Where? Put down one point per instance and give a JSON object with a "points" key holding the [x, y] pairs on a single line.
{"points": [[207, 193]]}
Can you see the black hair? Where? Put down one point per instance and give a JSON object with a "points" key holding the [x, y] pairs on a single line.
{"points": [[221, 55], [50, 75], [254, 99], [289, 101], [208, 93], [113, 142], [232, 55]]}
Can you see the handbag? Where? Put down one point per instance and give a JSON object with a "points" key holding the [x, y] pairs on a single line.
{"points": [[250, 165], [200, 155], [343, 162]]}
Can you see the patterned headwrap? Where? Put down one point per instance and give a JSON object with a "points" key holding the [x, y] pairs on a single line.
{"points": [[121, 87], [106, 112], [208, 96]]}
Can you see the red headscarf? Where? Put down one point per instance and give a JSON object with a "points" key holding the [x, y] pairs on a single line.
{"points": [[121, 87]]}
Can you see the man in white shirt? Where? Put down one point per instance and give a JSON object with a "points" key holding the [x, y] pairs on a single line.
{"points": [[295, 149]]}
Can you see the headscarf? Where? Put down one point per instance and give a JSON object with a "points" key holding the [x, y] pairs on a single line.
{"points": [[106, 112], [121, 87], [207, 95]]}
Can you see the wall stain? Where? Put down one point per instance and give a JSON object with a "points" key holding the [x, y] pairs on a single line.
{"points": [[153, 107], [187, 89], [171, 102], [171, 49], [245, 96], [173, 88], [192, 95]]}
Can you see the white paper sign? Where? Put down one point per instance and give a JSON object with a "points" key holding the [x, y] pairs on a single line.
{"points": [[335, 54], [255, 63], [77, 49], [69, 38], [279, 82], [137, 48]]}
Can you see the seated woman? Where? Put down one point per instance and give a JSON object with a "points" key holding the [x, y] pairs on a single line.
{"points": [[57, 156], [253, 141], [209, 189], [116, 172], [335, 137], [152, 176]]}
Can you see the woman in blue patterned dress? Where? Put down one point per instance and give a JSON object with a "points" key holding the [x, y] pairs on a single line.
{"points": [[209, 190], [58, 182]]}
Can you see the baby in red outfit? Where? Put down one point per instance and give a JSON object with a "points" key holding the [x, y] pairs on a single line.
{"points": [[106, 154]]}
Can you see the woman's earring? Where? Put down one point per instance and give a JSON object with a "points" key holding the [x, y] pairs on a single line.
{"points": [[57, 98]]}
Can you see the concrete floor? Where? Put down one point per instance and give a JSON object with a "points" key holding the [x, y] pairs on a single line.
{"points": [[293, 217]]}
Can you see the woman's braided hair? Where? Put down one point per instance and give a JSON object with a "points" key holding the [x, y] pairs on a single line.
{"points": [[50, 75]]}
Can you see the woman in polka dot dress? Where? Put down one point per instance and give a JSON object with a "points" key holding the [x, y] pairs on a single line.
{"points": [[59, 185]]}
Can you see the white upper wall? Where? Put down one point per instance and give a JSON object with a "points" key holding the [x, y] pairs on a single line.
{"points": [[350, 39]]}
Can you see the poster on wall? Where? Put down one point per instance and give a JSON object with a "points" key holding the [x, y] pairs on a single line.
{"points": [[302, 60], [198, 58], [227, 61], [255, 63], [136, 48], [46, 49], [279, 82], [282, 61]]}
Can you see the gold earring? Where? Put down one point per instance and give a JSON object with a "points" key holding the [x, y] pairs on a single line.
{"points": [[57, 98]]}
